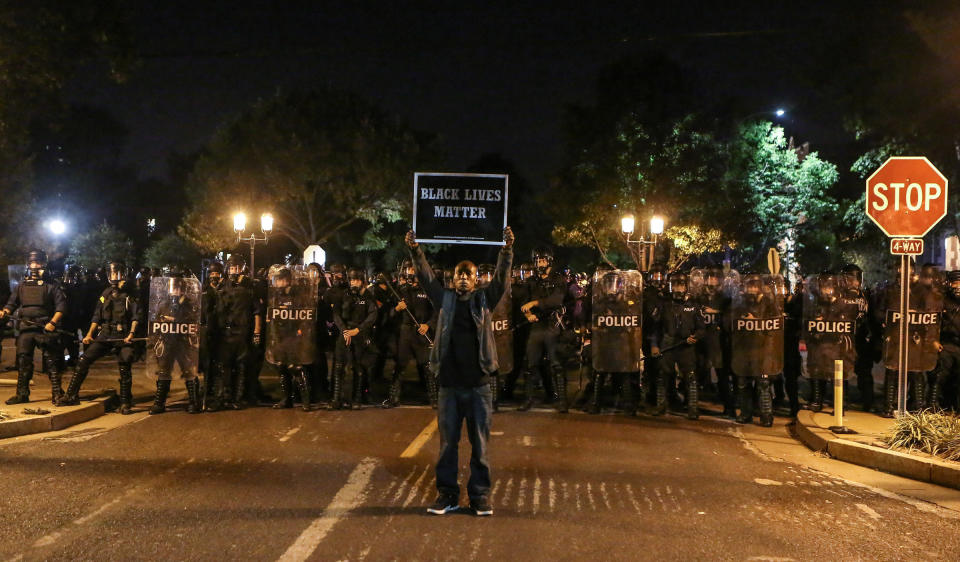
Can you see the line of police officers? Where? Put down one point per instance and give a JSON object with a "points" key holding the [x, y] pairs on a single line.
{"points": [[657, 342]]}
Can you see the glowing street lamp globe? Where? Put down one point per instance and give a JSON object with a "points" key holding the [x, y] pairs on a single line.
{"points": [[627, 224], [656, 225], [239, 222]]}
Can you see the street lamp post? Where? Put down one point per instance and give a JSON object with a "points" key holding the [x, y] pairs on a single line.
{"points": [[627, 223], [266, 226]]}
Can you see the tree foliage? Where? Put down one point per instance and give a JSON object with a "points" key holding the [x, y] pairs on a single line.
{"points": [[325, 163], [172, 249], [96, 247]]}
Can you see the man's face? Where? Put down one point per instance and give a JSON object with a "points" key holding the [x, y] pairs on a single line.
{"points": [[282, 282], [356, 283], [542, 263], [410, 275], [214, 277], [465, 277]]}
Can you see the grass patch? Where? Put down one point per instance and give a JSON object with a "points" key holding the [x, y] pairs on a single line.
{"points": [[931, 432]]}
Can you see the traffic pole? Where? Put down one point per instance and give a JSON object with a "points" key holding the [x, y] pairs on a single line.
{"points": [[904, 354]]}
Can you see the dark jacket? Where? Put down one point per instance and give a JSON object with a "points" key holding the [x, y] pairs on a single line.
{"points": [[482, 303]]}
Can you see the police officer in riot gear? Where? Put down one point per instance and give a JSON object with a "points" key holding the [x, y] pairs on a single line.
{"points": [[208, 331], [866, 338], [413, 342], [112, 329], [176, 309], [713, 350], [42, 305], [355, 317], [521, 329], [285, 350], [757, 343], [74, 320], [239, 317], [542, 295], [948, 364], [652, 298], [677, 322], [616, 339]]}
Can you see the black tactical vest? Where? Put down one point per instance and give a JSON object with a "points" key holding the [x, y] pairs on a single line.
{"points": [[36, 305]]}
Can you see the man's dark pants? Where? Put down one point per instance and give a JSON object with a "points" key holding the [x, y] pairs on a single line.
{"points": [[475, 405]]}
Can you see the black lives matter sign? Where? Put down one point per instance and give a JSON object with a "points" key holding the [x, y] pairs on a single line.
{"points": [[460, 208]]}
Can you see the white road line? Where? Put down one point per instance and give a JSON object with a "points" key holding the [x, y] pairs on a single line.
{"points": [[420, 440], [553, 494], [866, 509], [633, 499], [349, 497], [521, 493], [506, 493], [403, 485], [289, 434], [536, 494], [415, 489]]}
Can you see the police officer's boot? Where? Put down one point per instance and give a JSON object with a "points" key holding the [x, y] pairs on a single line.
{"points": [[560, 387], [766, 403], [693, 395], [160, 398], [433, 390], [816, 401], [631, 395], [745, 397], [193, 396], [25, 373], [495, 391], [235, 397], [286, 391], [889, 394], [527, 390], [725, 386], [919, 383], [56, 382], [358, 376], [393, 398], [936, 391], [72, 397], [595, 388], [126, 389], [304, 380], [336, 400], [218, 391], [660, 407]]}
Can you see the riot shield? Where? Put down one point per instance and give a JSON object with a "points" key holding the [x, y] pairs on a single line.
{"points": [[15, 275], [926, 305], [706, 289], [617, 319], [829, 325], [503, 331], [756, 324], [173, 327], [292, 297]]}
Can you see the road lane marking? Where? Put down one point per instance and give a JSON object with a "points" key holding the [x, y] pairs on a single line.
{"points": [[536, 493], [289, 434], [403, 485], [765, 482], [521, 493], [416, 487], [866, 509], [553, 494], [420, 440], [506, 493], [347, 499]]}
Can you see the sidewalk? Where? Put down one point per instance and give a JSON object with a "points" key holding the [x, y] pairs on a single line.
{"points": [[98, 396], [865, 448]]}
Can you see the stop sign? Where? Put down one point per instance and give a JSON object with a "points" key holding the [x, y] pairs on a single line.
{"points": [[906, 196]]}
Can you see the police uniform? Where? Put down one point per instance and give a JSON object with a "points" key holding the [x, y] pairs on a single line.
{"points": [[549, 292], [357, 310], [673, 322], [38, 300], [237, 308], [411, 345]]}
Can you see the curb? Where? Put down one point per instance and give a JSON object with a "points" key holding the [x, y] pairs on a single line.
{"points": [[894, 462], [54, 422]]}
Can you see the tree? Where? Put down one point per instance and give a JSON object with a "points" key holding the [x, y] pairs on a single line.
{"points": [[326, 163], [172, 249], [96, 247], [787, 191]]}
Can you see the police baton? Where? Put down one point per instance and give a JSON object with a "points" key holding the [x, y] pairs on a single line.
{"points": [[666, 349], [412, 317]]}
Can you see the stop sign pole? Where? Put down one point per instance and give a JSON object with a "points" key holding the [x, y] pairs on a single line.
{"points": [[906, 197]]}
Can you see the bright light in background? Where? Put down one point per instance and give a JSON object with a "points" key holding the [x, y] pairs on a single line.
{"points": [[780, 112], [239, 222], [266, 222], [626, 224], [656, 225], [56, 226]]}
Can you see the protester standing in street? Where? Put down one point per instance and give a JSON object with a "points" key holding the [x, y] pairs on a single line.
{"points": [[463, 357]]}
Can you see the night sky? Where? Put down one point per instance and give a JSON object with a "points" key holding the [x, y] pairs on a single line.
{"points": [[489, 77]]}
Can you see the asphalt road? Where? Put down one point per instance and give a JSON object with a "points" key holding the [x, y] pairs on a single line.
{"points": [[262, 484]]}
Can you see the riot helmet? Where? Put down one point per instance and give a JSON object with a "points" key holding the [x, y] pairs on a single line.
{"points": [[408, 272], [215, 273], [611, 285], [753, 287], [526, 270], [36, 264], [175, 284], [655, 276], [678, 283], [338, 275], [854, 273], [485, 273], [567, 273], [543, 259], [116, 273], [282, 278], [827, 288], [72, 275], [929, 274], [953, 281], [713, 281], [236, 266], [356, 278]]}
